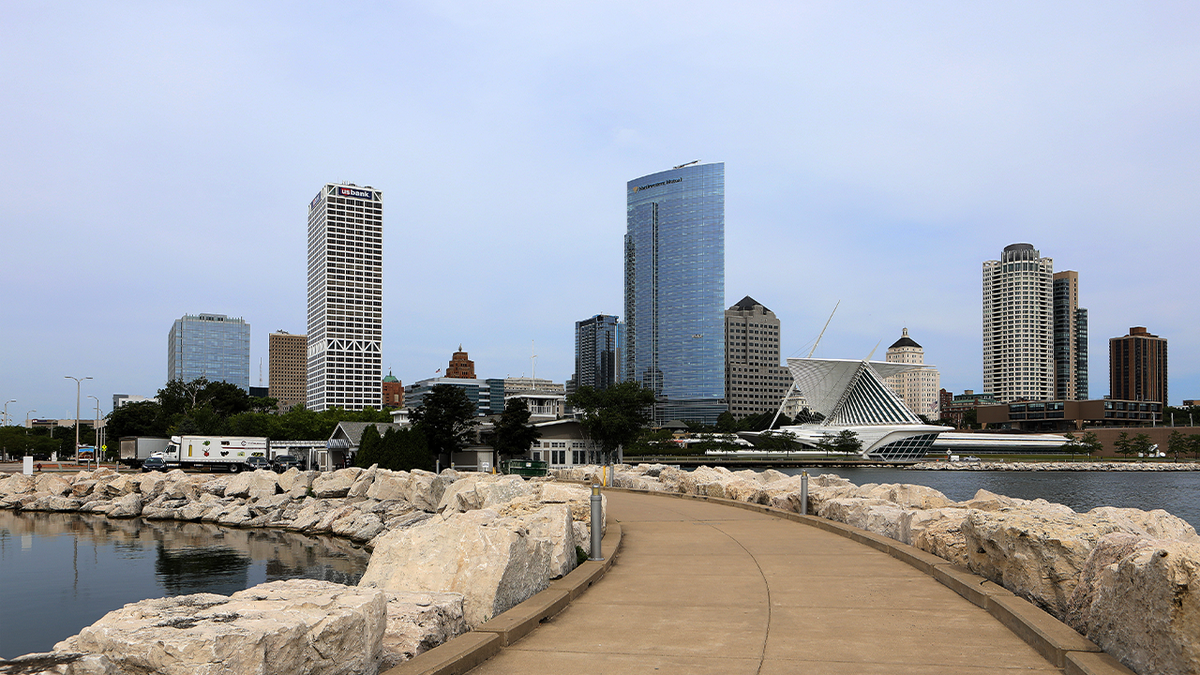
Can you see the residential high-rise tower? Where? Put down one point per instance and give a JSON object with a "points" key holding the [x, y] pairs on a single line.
{"points": [[1018, 325], [213, 346], [1070, 339], [598, 344], [1137, 366], [345, 297], [674, 290]]}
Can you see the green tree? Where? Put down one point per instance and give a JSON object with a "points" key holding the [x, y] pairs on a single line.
{"points": [[370, 448], [144, 418], [447, 418], [408, 450], [1140, 445], [847, 443], [1177, 444], [614, 416], [726, 422], [777, 441], [826, 443], [1194, 445], [1123, 445], [514, 435]]}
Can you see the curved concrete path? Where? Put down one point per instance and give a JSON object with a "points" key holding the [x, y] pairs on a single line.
{"points": [[707, 588]]}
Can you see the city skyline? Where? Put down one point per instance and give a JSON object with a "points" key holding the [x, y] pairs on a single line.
{"points": [[875, 155]]}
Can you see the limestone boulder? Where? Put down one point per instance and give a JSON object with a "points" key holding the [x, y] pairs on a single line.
{"points": [[252, 484], [335, 484], [285, 627], [909, 496], [1156, 524], [874, 515], [424, 490], [1139, 599], [128, 506], [937, 531], [990, 501], [82, 488], [460, 495], [357, 525], [1035, 553], [121, 485], [362, 484], [51, 483], [495, 563], [389, 485], [61, 663], [302, 484], [418, 622], [496, 490], [54, 503]]}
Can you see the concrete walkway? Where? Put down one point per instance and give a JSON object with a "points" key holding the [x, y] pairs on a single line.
{"points": [[707, 588]]}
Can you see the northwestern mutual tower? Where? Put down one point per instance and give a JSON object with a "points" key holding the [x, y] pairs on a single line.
{"points": [[675, 290]]}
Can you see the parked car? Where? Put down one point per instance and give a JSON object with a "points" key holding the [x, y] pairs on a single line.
{"points": [[154, 464], [254, 463], [282, 463]]}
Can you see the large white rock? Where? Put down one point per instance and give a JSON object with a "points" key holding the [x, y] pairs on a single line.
{"points": [[495, 563], [299, 626], [252, 484], [129, 506], [1037, 554], [389, 485], [1139, 599], [335, 484], [418, 622]]}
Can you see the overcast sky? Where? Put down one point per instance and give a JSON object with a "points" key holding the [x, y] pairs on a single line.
{"points": [[159, 159]]}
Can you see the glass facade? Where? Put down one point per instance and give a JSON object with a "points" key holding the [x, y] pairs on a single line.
{"points": [[675, 289], [598, 344], [213, 346]]}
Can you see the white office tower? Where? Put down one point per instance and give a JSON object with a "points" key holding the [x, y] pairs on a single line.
{"points": [[345, 297], [1018, 325], [917, 388]]}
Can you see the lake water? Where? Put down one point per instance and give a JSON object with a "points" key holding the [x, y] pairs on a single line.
{"points": [[61, 572], [1177, 492]]}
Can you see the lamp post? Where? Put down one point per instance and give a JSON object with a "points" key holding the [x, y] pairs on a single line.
{"points": [[96, 432], [11, 400], [78, 385], [27, 421]]}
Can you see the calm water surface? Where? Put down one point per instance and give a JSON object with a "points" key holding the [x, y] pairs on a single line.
{"points": [[1176, 492], [61, 572]]}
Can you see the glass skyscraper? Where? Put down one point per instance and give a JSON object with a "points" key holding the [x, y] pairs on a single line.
{"points": [[675, 290], [598, 345], [213, 346]]}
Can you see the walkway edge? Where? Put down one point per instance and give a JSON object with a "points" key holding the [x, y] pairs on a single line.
{"points": [[1060, 644], [462, 653]]}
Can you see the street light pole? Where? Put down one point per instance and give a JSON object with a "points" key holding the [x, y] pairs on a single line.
{"points": [[78, 385], [96, 432], [11, 400]]}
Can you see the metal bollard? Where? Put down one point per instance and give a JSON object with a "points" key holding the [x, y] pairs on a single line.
{"points": [[596, 525], [804, 493]]}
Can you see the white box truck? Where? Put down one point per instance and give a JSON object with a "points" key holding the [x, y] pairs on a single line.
{"points": [[215, 452], [135, 449]]}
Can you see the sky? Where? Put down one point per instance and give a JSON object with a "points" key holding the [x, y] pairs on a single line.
{"points": [[159, 159]]}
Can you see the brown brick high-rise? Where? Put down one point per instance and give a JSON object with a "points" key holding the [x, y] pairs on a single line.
{"points": [[460, 366], [1137, 367]]}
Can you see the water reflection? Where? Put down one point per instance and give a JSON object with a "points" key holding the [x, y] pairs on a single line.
{"points": [[60, 572]]}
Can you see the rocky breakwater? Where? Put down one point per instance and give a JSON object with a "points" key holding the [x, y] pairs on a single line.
{"points": [[1056, 466], [449, 551], [1127, 579]]}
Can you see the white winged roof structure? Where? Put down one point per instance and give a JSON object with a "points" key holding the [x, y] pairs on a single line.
{"points": [[848, 392]]}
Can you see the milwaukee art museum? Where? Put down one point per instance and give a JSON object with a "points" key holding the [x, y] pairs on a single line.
{"points": [[850, 395]]}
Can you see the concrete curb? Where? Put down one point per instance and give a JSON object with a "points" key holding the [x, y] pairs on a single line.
{"points": [[1060, 644], [468, 650]]}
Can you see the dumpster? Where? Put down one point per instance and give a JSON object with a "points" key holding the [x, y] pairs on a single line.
{"points": [[523, 467]]}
